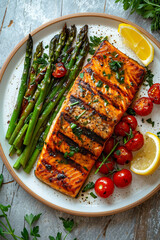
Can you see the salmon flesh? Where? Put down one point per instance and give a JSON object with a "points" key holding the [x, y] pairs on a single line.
{"points": [[99, 97]]}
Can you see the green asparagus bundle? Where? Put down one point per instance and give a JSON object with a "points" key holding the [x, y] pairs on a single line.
{"points": [[47, 96]]}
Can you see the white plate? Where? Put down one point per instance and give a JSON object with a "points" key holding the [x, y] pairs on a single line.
{"points": [[10, 75]]}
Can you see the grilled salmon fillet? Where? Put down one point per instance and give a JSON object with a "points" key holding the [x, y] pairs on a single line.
{"points": [[96, 102]]}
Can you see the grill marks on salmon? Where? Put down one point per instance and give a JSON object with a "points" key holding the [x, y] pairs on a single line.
{"points": [[94, 105]]}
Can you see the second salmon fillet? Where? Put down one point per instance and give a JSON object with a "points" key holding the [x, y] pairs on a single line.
{"points": [[96, 102]]}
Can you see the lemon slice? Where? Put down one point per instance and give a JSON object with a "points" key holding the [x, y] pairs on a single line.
{"points": [[137, 42], [147, 159]]}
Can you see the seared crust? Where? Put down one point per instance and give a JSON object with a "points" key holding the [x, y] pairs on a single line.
{"points": [[95, 103]]}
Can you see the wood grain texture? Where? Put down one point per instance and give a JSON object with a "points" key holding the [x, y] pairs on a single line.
{"points": [[140, 223]]}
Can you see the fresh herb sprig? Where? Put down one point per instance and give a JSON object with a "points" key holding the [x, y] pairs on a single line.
{"points": [[105, 159], [89, 186], [148, 9], [94, 42], [6, 228]]}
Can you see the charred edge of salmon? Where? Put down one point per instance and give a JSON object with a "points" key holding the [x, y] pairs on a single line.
{"points": [[85, 131]]}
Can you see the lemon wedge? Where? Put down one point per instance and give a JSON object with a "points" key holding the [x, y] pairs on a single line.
{"points": [[137, 42], [147, 159]]}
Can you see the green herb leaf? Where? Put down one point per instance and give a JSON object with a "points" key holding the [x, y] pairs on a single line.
{"points": [[107, 87], [80, 115], [35, 232], [1, 179], [93, 195], [77, 131], [131, 111], [115, 65], [149, 120], [25, 234], [85, 168], [105, 102], [104, 56], [75, 103], [58, 237], [90, 185], [104, 74], [81, 75], [118, 152], [30, 219], [148, 80], [4, 208], [68, 224], [99, 84], [2, 233], [158, 134], [73, 125], [88, 59]]}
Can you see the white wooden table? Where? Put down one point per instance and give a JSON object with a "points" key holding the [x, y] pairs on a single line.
{"points": [[17, 19]]}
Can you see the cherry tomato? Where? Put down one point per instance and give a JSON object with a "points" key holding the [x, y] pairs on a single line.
{"points": [[106, 167], [104, 187], [122, 178], [121, 129], [135, 143], [122, 155], [143, 106], [131, 121], [154, 93], [60, 70], [109, 145]]}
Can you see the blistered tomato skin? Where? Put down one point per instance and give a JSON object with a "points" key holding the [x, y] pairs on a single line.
{"points": [[104, 187], [60, 70], [106, 167], [143, 106], [135, 143], [122, 178], [109, 145], [121, 129], [131, 121], [123, 155], [154, 93]]}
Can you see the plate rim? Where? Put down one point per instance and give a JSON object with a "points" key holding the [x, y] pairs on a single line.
{"points": [[4, 158]]}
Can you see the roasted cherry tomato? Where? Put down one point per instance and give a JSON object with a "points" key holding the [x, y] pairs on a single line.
{"points": [[109, 145], [60, 70], [154, 93], [123, 155], [130, 120], [122, 178], [121, 129], [106, 167], [135, 143], [104, 187], [143, 106]]}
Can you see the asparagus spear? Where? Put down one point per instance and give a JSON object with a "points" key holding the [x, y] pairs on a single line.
{"points": [[19, 139], [42, 138], [27, 151], [47, 79], [22, 88]]}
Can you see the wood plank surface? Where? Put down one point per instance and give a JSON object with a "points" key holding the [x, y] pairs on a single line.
{"points": [[17, 19]]}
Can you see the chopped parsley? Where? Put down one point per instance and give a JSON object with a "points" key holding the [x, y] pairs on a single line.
{"points": [[81, 89], [118, 152], [96, 100], [104, 56], [109, 75], [81, 75], [89, 186], [106, 102], [149, 120], [75, 103], [85, 168], [77, 131], [131, 111], [148, 78], [73, 125], [104, 74], [115, 65], [99, 84], [93, 195], [88, 59], [158, 134], [107, 87], [80, 115], [94, 42], [46, 46]]}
